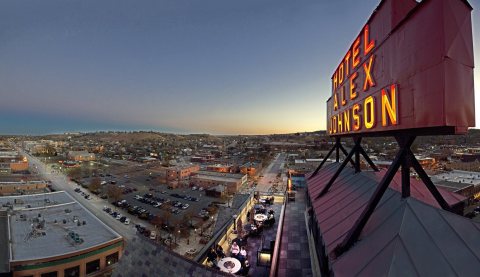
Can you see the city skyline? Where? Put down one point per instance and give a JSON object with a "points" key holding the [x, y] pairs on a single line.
{"points": [[219, 67]]}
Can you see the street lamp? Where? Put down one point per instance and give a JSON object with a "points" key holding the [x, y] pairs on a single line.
{"points": [[178, 238]]}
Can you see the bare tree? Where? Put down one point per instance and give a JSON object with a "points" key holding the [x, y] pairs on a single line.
{"points": [[166, 218], [158, 222], [95, 184], [187, 218], [74, 173], [114, 193]]}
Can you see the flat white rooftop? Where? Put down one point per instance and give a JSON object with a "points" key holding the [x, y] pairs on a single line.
{"points": [[61, 227], [20, 202], [458, 176]]}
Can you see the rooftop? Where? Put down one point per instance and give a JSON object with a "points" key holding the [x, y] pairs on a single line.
{"points": [[452, 186], [144, 258], [63, 221], [20, 202], [458, 176], [82, 152], [411, 238], [226, 213], [219, 176], [403, 237]]}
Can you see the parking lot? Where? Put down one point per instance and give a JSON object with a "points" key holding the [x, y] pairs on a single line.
{"points": [[176, 202], [143, 196]]}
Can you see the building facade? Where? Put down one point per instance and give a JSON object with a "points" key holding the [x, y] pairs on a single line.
{"points": [[80, 156], [208, 179]]}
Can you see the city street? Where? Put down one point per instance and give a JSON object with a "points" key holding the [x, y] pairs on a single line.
{"points": [[269, 173]]}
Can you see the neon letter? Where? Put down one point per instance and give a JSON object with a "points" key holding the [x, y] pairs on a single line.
{"points": [[347, 65], [353, 93], [368, 74], [340, 74], [340, 124], [369, 112], [356, 117], [346, 120], [367, 46], [335, 101], [389, 106], [355, 53]]}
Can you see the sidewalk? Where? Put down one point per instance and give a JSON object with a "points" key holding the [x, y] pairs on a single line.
{"points": [[294, 253]]}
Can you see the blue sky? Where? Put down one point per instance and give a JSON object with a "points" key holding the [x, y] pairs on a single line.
{"points": [[210, 66]]}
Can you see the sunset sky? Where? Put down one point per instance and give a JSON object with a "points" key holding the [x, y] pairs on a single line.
{"points": [[210, 66]]}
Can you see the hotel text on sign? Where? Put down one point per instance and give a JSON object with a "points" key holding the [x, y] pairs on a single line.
{"points": [[410, 67]]}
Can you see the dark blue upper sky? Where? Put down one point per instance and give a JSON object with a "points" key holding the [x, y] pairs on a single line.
{"points": [[212, 66]]}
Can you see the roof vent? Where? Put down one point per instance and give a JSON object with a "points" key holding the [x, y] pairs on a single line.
{"points": [[74, 238]]}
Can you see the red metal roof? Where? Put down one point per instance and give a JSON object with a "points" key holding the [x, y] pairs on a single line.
{"points": [[399, 229]]}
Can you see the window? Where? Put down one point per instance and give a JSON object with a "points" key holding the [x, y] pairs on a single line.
{"points": [[112, 258], [72, 271], [50, 274], [93, 266]]}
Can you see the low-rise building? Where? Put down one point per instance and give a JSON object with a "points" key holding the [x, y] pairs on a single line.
{"points": [[250, 168], [202, 158], [216, 191], [306, 165], [16, 188], [12, 162], [51, 234], [80, 156], [466, 183], [219, 168], [208, 179], [175, 174]]}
